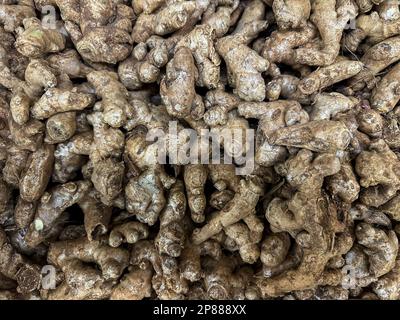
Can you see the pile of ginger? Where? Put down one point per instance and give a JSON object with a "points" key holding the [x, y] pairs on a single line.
{"points": [[86, 212]]}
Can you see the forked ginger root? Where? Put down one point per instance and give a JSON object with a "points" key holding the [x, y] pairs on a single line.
{"points": [[199, 149], [238, 208]]}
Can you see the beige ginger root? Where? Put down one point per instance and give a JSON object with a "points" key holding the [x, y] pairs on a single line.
{"points": [[244, 64], [95, 183], [238, 208], [330, 17]]}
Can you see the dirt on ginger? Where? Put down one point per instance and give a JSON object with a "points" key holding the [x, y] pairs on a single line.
{"points": [[200, 149]]}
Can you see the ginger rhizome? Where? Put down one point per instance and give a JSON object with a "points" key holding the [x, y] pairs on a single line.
{"points": [[199, 149]]}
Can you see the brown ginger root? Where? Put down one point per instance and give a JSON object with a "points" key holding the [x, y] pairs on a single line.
{"points": [[105, 151], [291, 14], [96, 215], [247, 235], [327, 105], [15, 266], [177, 88], [114, 96], [371, 123], [206, 57], [223, 177], [12, 15], [107, 141], [274, 249], [344, 184], [38, 77], [221, 282], [244, 64], [107, 178], [380, 183], [375, 59], [390, 208], [330, 17], [15, 165], [135, 285], [386, 94], [145, 197], [172, 234], [195, 177], [374, 27], [326, 76], [142, 155], [164, 21], [52, 204], [5, 195], [37, 173], [147, 6], [24, 213], [129, 232], [366, 5], [145, 63], [273, 116], [100, 33], [218, 103], [49, 40], [238, 208], [380, 247], [70, 156], [71, 256], [68, 62], [316, 241], [387, 287], [318, 135], [57, 100], [280, 46], [60, 127]]}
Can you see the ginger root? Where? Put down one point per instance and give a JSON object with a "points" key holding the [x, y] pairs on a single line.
{"points": [[199, 149]]}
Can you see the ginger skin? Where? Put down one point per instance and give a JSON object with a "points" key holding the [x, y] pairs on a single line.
{"points": [[199, 149], [288, 215], [177, 89], [330, 17], [238, 208], [244, 64]]}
